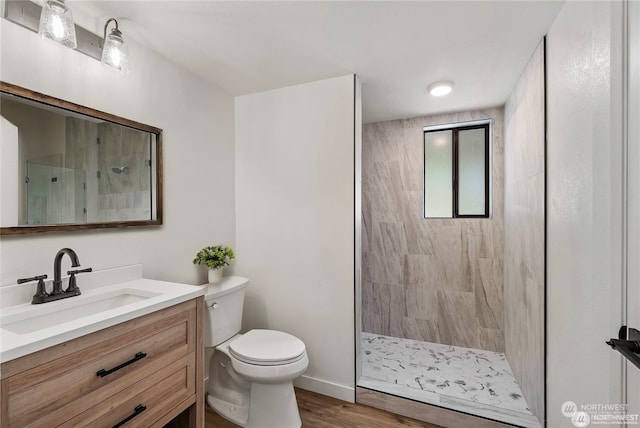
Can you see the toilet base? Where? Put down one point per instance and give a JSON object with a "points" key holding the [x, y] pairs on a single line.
{"points": [[270, 404], [236, 414], [260, 414], [267, 397]]}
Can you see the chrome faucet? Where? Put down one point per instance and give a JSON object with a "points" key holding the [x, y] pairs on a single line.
{"points": [[41, 295], [57, 266]]}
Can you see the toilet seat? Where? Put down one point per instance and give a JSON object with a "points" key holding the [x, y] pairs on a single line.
{"points": [[267, 348]]}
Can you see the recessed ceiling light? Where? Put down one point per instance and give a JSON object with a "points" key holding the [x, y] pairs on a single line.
{"points": [[439, 89]]}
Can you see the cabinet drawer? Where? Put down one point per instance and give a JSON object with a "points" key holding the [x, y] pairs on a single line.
{"points": [[144, 402], [50, 394]]}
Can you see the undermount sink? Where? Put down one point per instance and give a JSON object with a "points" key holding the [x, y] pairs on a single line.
{"points": [[39, 317], [109, 297]]}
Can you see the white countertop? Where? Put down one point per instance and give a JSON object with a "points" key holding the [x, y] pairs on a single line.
{"points": [[23, 336]]}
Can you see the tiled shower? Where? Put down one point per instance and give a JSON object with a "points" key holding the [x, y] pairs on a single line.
{"points": [[80, 170], [436, 280], [118, 161], [440, 326]]}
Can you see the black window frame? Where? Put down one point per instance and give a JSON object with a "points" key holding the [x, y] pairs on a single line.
{"points": [[455, 168]]}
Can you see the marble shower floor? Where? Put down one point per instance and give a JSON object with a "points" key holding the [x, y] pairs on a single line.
{"points": [[468, 380]]}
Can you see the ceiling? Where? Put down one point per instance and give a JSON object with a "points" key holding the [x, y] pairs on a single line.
{"points": [[397, 48]]}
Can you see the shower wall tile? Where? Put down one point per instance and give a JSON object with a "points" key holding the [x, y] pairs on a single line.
{"points": [[386, 269], [104, 202], [79, 136], [524, 232], [491, 339], [81, 155], [469, 255], [387, 138], [375, 307], [456, 312], [421, 303], [110, 141], [397, 309], [367, 223], [385, 192], [389, 239], [489, 303], [419, 329], [434, 272], [412, 160], [428, 265], [135, 142], [142, 199], [417, 243], [367, 265], [417, 271], [412, 207], [130, 194]]}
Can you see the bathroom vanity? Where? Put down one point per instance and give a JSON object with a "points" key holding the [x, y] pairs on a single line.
{"points": [[131, 361]]}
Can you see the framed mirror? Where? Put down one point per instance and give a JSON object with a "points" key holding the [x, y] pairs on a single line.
{"points": [[65, 167]]}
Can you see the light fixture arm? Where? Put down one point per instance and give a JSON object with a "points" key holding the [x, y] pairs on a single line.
{"points": [[106, 24], [29, 14]]}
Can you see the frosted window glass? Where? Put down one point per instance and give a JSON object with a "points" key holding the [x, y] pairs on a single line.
{"points": [[471, 172], [438, 174]]}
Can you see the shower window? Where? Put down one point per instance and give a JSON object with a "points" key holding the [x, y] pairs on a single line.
{"points": [[457, 170]]}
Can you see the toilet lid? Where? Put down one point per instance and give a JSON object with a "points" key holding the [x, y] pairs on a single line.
{"points": [[267, 347]]}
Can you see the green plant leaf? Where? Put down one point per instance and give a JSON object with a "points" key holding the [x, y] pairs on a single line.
{"points": [[214, 257]]}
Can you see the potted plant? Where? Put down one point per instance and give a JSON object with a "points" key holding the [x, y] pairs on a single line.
{"points": [[215, 258]]}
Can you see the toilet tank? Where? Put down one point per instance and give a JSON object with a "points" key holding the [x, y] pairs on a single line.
{"points": [[223, 313]]}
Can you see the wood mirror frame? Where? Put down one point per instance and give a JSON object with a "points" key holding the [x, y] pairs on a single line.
{"points": [[156, 200]]}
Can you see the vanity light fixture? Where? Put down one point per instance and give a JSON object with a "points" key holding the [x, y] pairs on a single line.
{"points": [[114, 49], [441, 88], [56, 23], [53, 20]]}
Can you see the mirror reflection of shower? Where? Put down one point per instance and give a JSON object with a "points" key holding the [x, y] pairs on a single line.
{"points": [[120, 170]]}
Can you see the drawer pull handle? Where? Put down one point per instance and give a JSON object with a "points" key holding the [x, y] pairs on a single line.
{"points": [[139, 409], [103, 372]]}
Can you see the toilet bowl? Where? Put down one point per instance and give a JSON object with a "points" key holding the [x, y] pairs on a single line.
{"points": [[250, 375]]}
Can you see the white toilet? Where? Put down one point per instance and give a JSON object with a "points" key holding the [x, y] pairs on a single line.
{"points": [[251, 374]]}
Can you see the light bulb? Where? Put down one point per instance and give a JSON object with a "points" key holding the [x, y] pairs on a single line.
{"points": [[56, 23]]}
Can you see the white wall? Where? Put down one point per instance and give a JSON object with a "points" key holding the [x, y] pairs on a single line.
{"points": [[9, 183], [295, 222], [584, 231], [197, 120], [633, 235]]}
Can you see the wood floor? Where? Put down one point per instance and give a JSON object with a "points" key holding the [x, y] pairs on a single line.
{"points": [[325, 412]]}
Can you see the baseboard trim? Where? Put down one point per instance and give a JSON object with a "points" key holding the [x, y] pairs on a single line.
{"points": [[324, 387], [341, 392]]}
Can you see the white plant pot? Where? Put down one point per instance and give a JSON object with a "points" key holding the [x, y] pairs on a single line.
{"points": [[215, 275]]}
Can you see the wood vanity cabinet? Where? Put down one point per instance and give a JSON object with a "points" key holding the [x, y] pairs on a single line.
{"points": [[140, 373]]}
